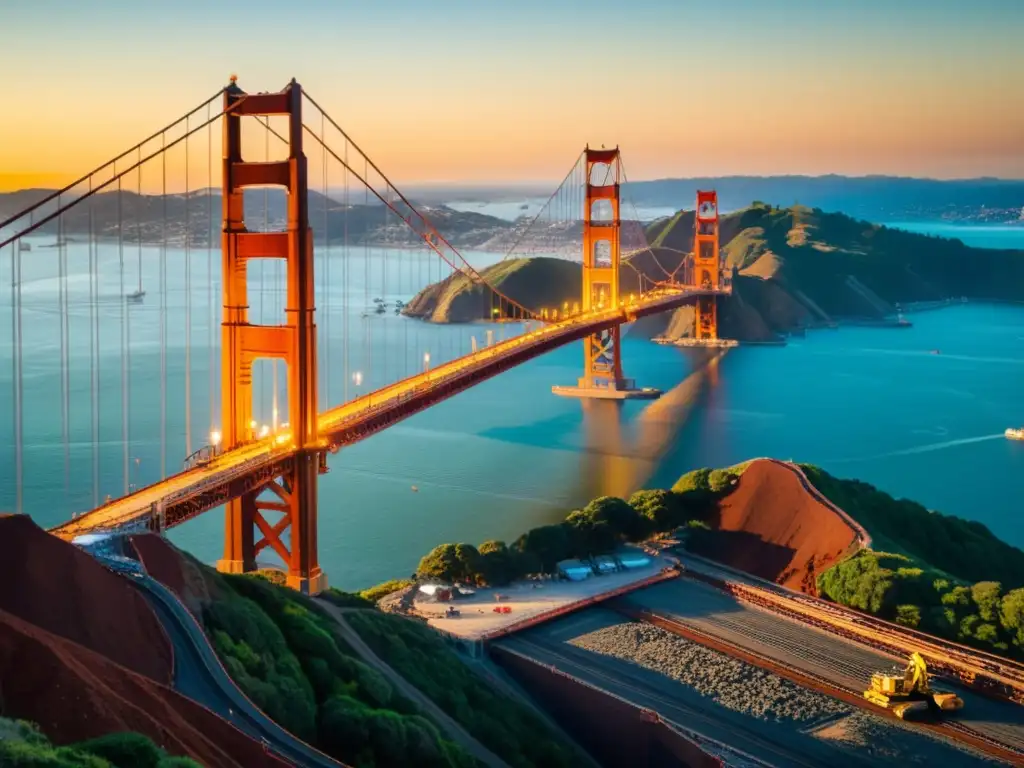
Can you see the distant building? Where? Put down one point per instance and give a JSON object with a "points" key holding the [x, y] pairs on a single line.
{"points": [[574, 570]]}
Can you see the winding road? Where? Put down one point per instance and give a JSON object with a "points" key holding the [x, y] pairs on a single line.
{"points": [[199, 674]]}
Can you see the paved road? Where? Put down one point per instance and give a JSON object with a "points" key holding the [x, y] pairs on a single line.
{"points": [[676, 703], [843, 662], [199, 675], [452, 729]]}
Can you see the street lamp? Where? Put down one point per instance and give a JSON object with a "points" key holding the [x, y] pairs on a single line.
{"points": [[426, 361], [215, 440], [357, 378], [134, 486]]}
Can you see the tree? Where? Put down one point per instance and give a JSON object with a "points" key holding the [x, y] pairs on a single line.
{"points": [[663, 510], [589, 534], [548, 543], [1011, 615], [497, 564], [908, 615], [442, 562], [986, 595], [619, 515]]}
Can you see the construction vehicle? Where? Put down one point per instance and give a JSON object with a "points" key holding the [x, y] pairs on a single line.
{"points": [[907, 694]]}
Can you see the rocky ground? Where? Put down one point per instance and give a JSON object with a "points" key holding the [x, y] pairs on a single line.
{"points": [[744, 688]]}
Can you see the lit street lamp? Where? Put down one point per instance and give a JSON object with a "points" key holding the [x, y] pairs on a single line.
{"points": [[426, 362]]}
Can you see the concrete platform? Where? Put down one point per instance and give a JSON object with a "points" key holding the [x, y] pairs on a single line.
{"points": [[607, 393], [536, 600], [709, 343], [608, 389]]}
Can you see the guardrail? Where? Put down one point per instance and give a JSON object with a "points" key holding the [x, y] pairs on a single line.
{"points": [[979, 670]]}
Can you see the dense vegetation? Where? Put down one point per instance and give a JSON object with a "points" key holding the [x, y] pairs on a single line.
{"points": [[22, 745], [597, 529], [944, 575], [416, 652], [280, 648]]}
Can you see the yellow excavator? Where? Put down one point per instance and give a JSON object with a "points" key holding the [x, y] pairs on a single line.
{"points": [[908, 695]]}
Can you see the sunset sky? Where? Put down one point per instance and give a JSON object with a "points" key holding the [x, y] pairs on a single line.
{"points": [[496, 91]]}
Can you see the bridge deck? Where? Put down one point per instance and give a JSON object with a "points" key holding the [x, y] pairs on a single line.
{"points": [[249, 466]]}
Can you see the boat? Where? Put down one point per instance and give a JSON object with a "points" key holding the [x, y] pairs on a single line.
{"points": [[936, 352], [1015, 434], [137, 295]]}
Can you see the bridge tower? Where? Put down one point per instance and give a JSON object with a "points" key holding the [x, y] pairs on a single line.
{"points": [[602, 360], [293, 340], [707, 271]]}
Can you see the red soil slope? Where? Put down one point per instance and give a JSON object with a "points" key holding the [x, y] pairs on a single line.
{"points": [[175, 570], [59, 588], [74, 693], [776, 528]]}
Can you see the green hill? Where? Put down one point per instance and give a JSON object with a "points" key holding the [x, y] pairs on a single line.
{"points": [[794, 268]]}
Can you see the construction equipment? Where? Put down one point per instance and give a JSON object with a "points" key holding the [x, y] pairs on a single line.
{"points": [[907, 694]]}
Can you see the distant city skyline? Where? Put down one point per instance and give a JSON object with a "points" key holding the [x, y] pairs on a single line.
{"points": [[463, 93]]}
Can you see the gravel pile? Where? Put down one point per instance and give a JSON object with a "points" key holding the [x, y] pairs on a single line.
{"points": [[734, 684], [744, 688]]}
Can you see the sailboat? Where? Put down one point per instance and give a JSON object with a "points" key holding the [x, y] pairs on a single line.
{"points": [[137, 295]]}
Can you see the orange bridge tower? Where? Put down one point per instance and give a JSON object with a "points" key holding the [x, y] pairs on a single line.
{"points": [[707, 271], [290, 488], [602, 361]]}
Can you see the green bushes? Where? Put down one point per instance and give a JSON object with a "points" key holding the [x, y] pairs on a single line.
{"points": [[600, 527], [22, 745], [373, 594], [507, 728], [282, 651], [887, 585], [948, 578], [962, 548]]}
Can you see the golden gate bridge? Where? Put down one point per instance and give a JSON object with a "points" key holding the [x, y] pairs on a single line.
{"points": [[265, 475]]}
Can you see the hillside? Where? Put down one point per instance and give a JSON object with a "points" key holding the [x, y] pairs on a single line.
{"points": [[287, 654], [83, 656], [876, 198], [794, 268]]}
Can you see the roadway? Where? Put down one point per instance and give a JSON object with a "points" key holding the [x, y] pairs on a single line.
{"points": [[838, 660], [679, 705], [356, 419], [199, 675]]}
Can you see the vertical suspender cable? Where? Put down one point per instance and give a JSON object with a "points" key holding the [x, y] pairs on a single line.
{"points": [[188, 304], [344, 276], [94, 350], [384, 282], [367, 354], [209, 269], [65, 382], [16, 367], [124, 328], [163, 314], [327, 275]]}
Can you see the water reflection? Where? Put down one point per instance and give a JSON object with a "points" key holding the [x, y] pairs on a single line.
{"points": [[621, 455]]}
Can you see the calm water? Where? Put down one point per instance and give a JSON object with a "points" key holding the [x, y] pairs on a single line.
{"points": [[867, 403]]}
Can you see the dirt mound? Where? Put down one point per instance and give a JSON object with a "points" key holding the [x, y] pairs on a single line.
{"points": [[74, 693], [56, 586], [772, 526], [175, 570]]}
